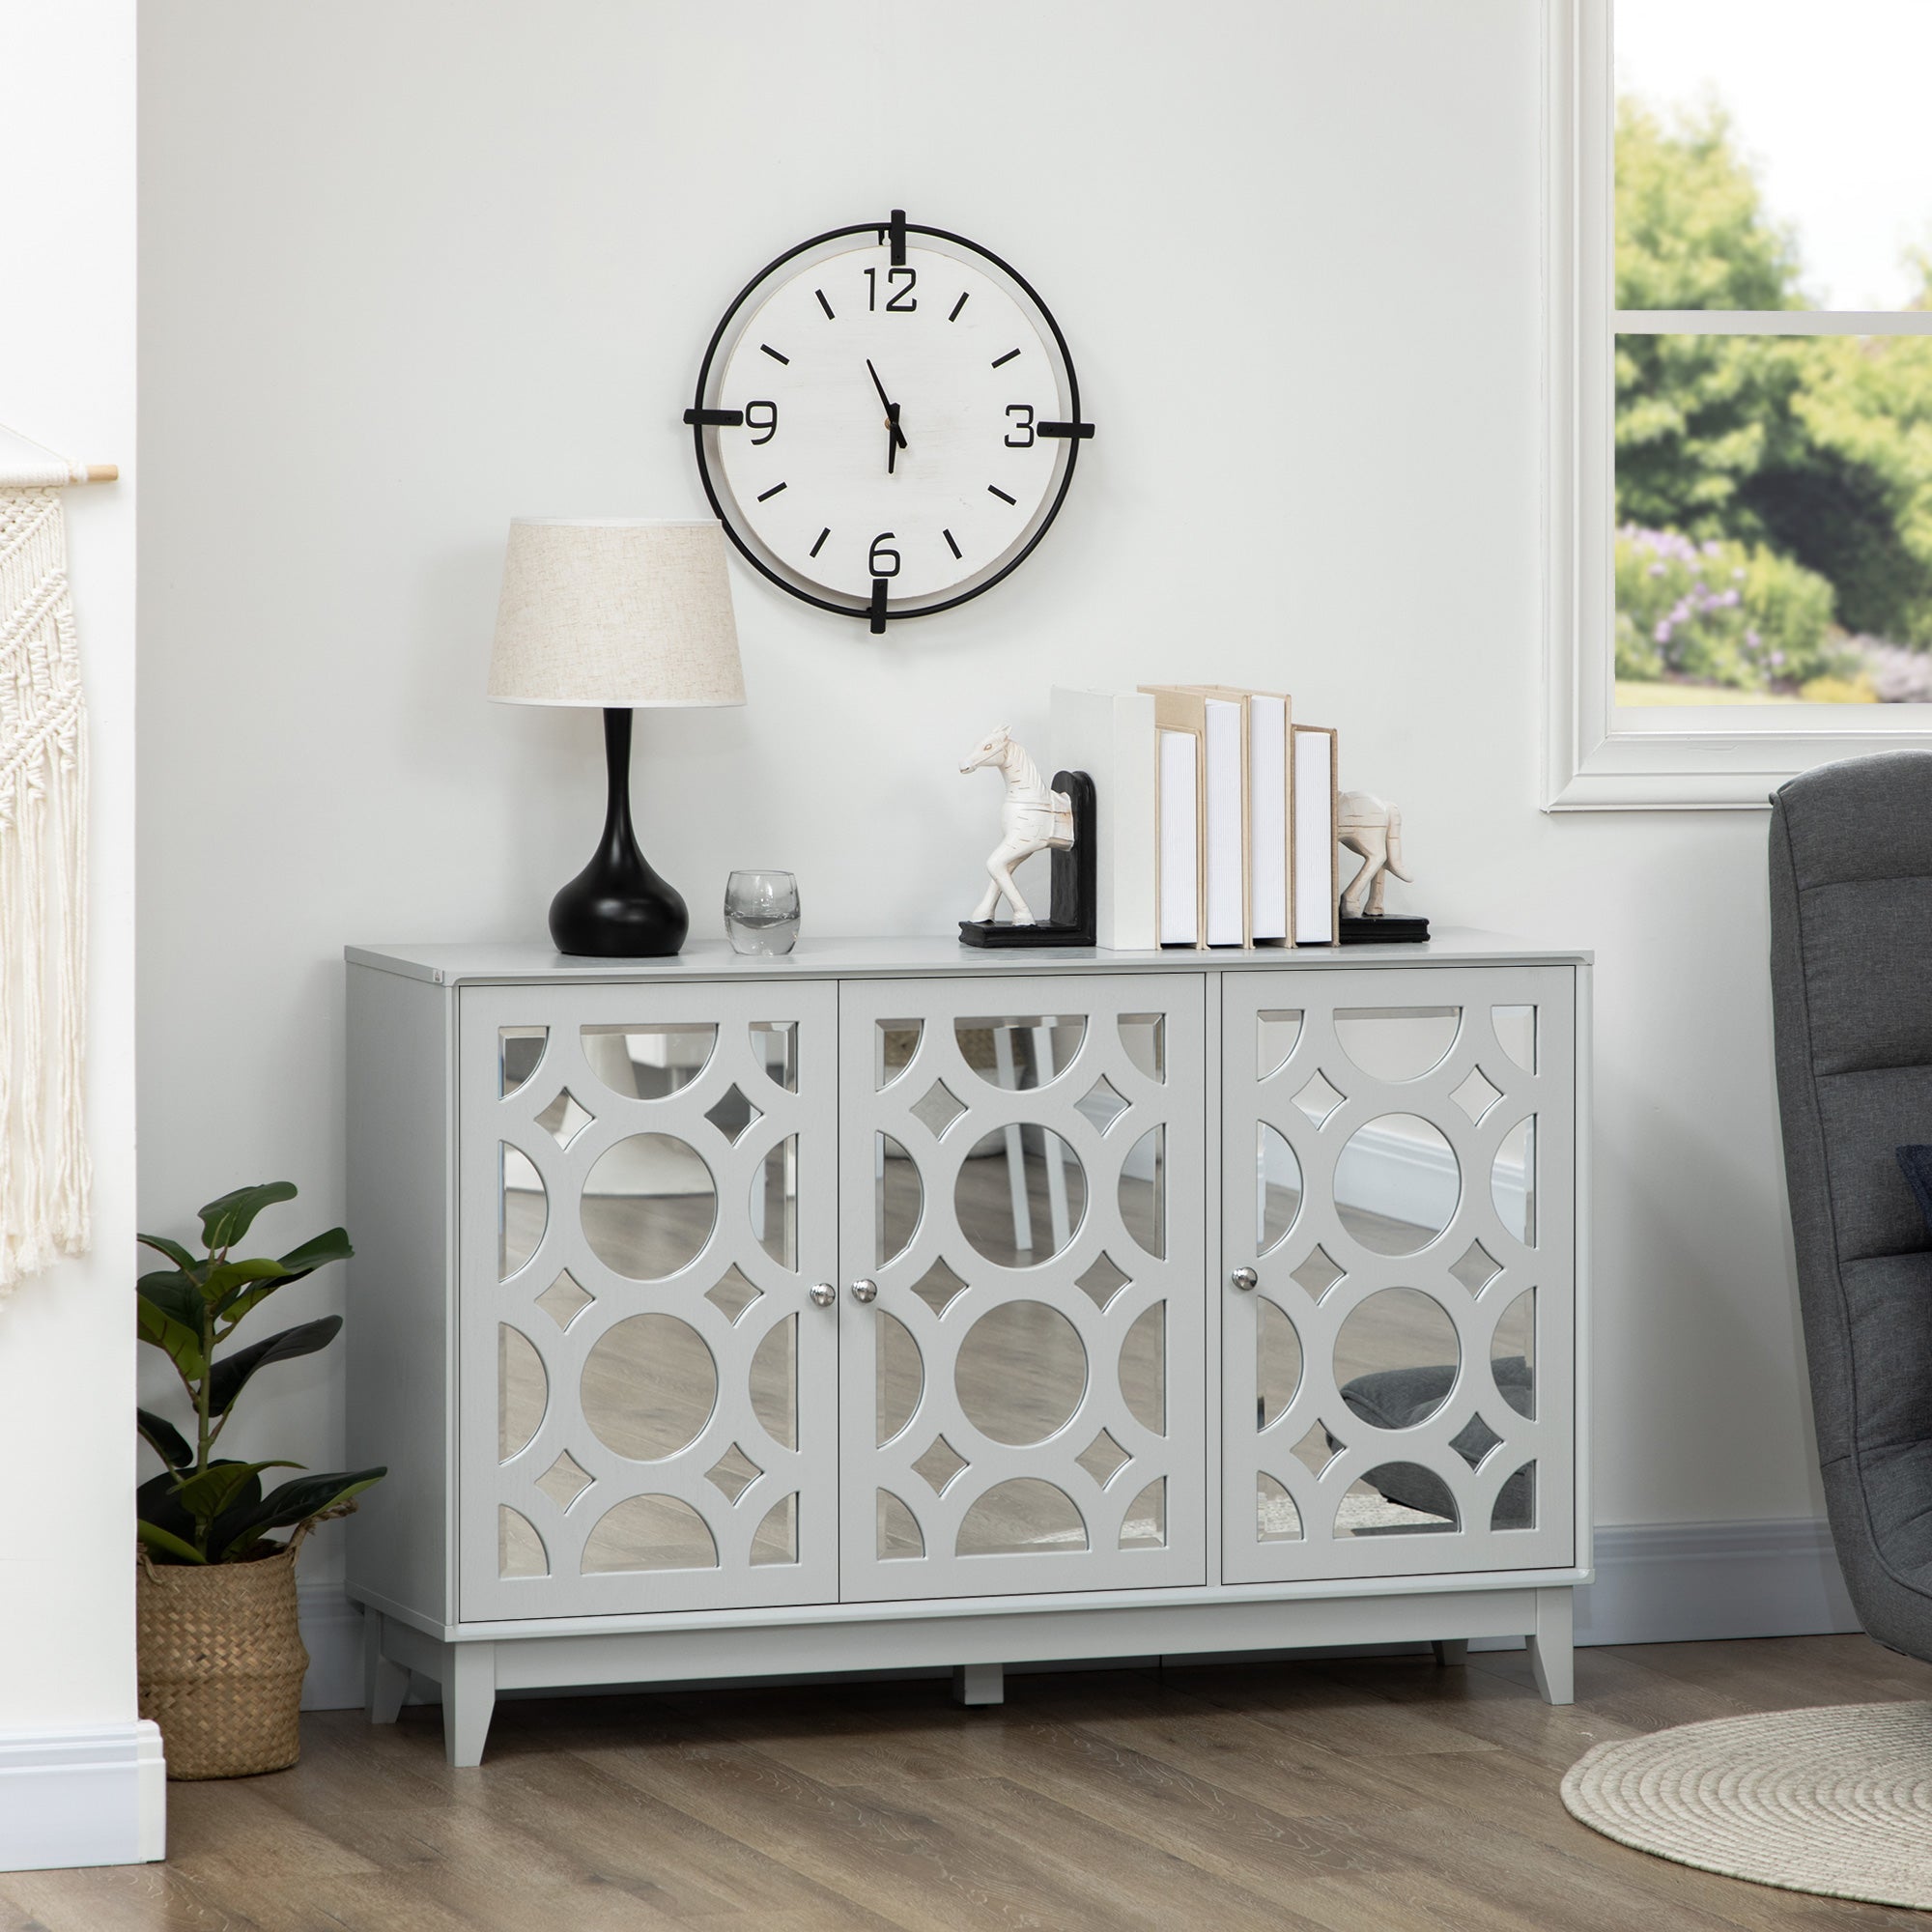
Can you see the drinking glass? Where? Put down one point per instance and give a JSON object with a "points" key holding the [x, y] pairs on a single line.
{"points": [[761, 911]]}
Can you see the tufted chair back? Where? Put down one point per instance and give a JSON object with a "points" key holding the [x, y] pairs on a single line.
{"points": [[1851, 978]]}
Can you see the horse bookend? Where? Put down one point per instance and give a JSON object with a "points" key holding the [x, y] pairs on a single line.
{"points": [[1036, 817], [1371, 829]]}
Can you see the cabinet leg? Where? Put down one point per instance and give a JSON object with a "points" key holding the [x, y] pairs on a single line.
{"points": [[1550, 1656], [979, 1684], [468, 1701], [1451, 1651], [384, 1684]]}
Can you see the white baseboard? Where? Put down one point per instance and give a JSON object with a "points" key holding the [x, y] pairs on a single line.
{"points": [[1675, 1582], [1684, 1583], [331, 1630], [91, 1794]]}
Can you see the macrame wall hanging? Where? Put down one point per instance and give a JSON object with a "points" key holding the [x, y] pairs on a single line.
{"points": [[44, 1159]]}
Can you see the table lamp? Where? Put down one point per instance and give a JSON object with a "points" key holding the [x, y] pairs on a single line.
{"points": [[617, 613]]}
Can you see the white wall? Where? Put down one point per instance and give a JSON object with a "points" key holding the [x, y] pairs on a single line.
{"points": [[410, 269], [67, 1337]]}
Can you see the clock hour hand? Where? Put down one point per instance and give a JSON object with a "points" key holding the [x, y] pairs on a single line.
{"points": [[898, 439]]}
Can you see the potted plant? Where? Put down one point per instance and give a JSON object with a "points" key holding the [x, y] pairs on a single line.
{"points": [[221, 1657]]}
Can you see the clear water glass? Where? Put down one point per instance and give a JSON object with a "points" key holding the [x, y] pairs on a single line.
{"points": [[761, 913]]}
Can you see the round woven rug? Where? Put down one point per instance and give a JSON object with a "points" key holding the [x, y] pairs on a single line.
{"points": [[1835, 1802]]}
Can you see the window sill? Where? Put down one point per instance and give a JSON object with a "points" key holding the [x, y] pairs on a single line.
{"points": [[1713, 760]]}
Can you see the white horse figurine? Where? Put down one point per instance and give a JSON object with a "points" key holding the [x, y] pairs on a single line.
{"points": [[1034, 818], [1367, 826]]}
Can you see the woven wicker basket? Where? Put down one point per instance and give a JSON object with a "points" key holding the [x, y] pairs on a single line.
{"points": [[221, 1663]]}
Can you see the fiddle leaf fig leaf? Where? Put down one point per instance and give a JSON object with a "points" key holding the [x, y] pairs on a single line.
{"points": [[225, 1280], [232, 1373], [182, 1258], [158, 1319], [167, 1542], [331, 1245], [164, 1439], [225, 1221], [298, 1501], [224, 1486]]}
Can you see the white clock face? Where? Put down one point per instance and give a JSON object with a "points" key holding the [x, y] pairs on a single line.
{"points": [[890, 424]]}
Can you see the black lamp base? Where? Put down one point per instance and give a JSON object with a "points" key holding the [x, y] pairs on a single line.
{"points": [[617, 907]]}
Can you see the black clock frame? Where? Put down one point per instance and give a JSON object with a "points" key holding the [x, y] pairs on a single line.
{"points": [[701, 418]]}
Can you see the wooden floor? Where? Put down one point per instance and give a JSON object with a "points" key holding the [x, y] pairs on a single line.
{"points": [[1362, 1796]]}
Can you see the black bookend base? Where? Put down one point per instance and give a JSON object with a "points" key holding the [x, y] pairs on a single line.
{"points": [[1392, 928], [1070, 918]]}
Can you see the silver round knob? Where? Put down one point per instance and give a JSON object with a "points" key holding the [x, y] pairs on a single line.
{"points": [[1245, 1279], [864, 1290], [823, 1293]]}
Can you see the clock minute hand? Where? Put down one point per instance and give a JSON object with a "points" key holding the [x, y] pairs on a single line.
{"points": [[892, 409]]}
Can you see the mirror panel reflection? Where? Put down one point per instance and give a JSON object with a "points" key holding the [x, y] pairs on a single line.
{"points": [[1277, 1187], [648, 1063], [1025, 1515], [519, 1049], [523, 1210], [520, 1549], [1020, 1050], [1396, 1357], [1144, 1367], [1021, 1195], [1513, 1182], [899, 1198], [774, 1202], [522, 1391], [649, 1533], [1020, 1371], [1396, 1042], [1397, 1184], [648, 1207], [1142, 1191], [650, 1387], [1275, 1036], [1277, 1362], [898, 1375]]}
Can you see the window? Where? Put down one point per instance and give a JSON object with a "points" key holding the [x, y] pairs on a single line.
{"points": [[1741, 387]]}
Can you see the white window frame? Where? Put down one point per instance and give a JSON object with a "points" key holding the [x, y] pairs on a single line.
{"points": [[1697, 756]]}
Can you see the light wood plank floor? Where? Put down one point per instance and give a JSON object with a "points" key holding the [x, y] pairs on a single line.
{"points": [[1380, 1795]]}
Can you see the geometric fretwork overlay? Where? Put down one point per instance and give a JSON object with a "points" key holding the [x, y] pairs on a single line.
{"points": [[1398, 1388], [645, 1436], [1021, 1406]]}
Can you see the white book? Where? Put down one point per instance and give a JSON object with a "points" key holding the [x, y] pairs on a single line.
{"points": [[1268, 815], [1180, 916], [1109, 735], [1226, 842], [1315, 913]]}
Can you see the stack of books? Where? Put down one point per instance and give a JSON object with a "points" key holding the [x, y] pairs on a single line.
{"points": [[1216, 814]]}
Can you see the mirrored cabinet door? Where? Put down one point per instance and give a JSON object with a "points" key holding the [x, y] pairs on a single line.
{"points": [[647, 1388], [1397, 1310], [1021, 1313]]}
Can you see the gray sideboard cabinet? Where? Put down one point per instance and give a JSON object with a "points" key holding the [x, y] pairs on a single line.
{"points": [[893, 1305]]}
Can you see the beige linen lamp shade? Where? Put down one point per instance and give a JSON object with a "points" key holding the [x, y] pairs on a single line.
{"points": [[617, 613]]}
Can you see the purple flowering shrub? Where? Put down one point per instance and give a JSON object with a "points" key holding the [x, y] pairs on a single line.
{"points": [[1898, 675], [1720, 612]]}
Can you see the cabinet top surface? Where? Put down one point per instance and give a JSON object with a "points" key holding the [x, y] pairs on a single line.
{"points": [[485, 961]]}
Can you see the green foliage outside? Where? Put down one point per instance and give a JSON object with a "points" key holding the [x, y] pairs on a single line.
{"points": [[1808, 459], [204, 1508]]}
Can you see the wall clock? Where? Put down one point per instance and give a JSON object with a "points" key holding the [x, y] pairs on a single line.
{"points": [[886, 420]]}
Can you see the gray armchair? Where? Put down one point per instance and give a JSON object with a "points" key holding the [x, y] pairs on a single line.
{"points": [[1851, 979]]}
